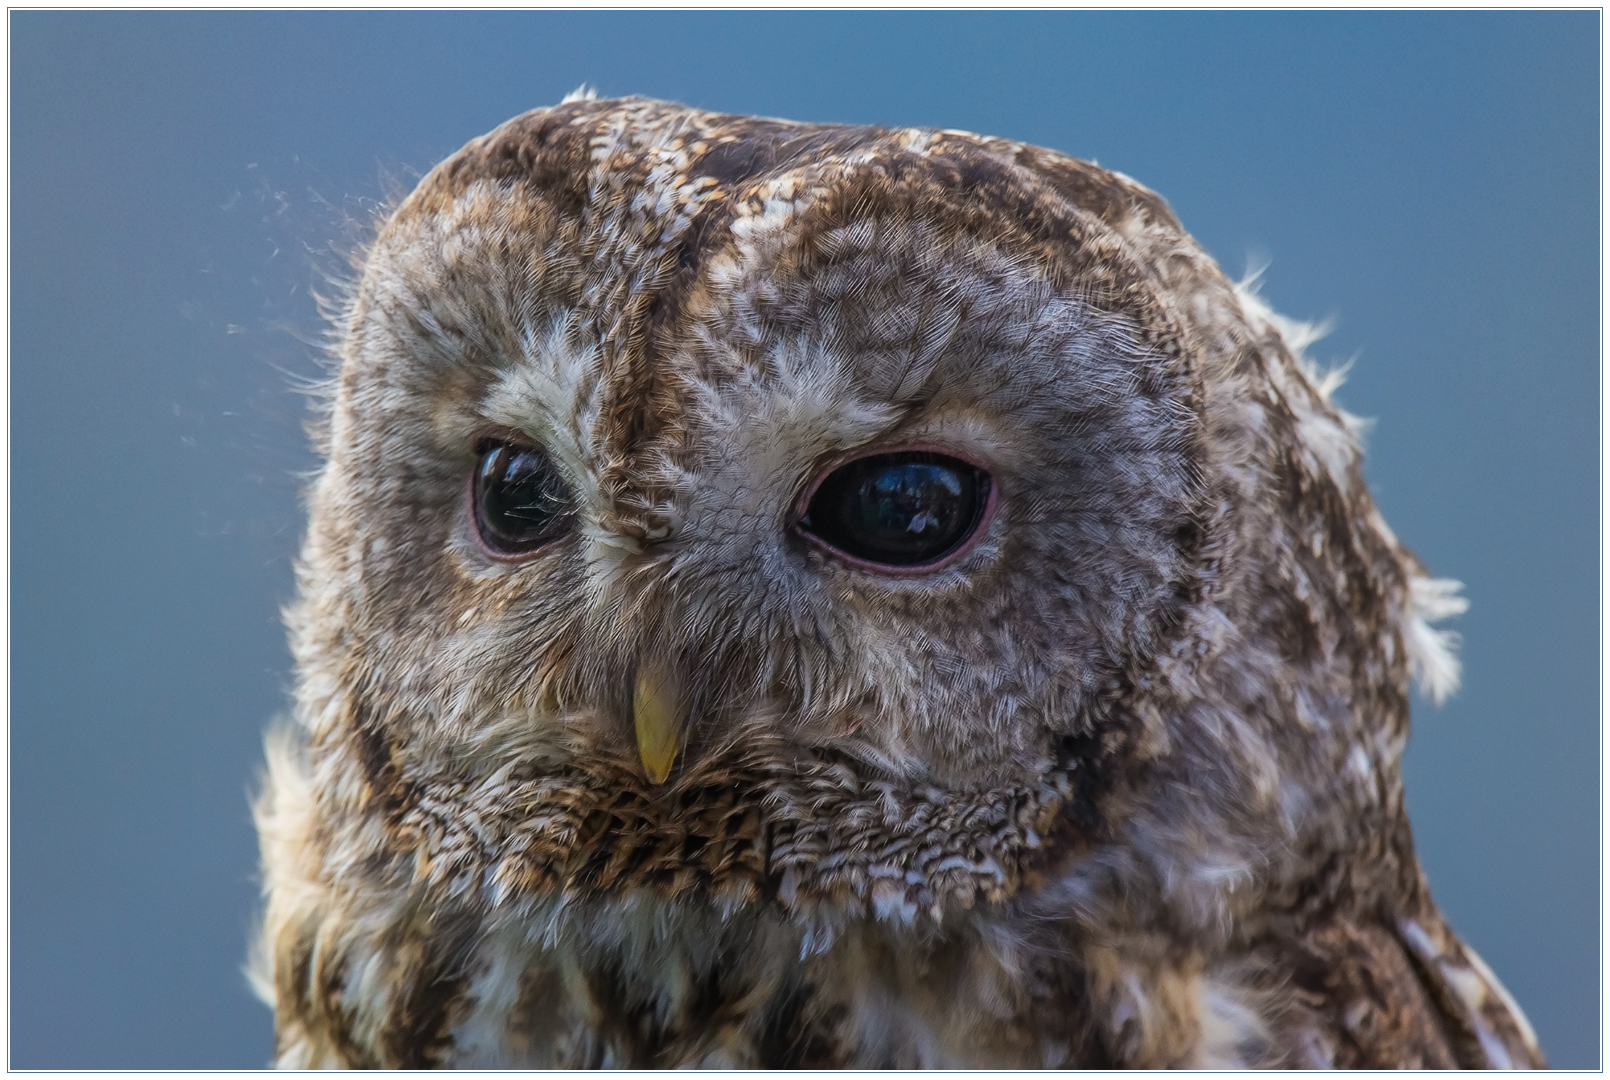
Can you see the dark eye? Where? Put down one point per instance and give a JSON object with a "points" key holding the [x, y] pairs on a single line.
{"points": [[898, 510], [520, 501]]}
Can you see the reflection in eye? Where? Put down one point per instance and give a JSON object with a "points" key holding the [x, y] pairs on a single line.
{"points": [[521, 503], [898, 510]]}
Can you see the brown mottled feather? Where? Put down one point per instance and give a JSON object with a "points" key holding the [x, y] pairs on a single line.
{"points": [[1117, 787]]}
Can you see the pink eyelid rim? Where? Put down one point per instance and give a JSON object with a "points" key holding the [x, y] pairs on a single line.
{"points": [[972, 541]]}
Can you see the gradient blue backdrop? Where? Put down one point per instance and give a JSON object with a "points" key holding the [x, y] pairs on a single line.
{"points": [[180, 180]]}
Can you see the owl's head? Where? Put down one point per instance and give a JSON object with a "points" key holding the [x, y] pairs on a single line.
{"points": [[694, 468]]}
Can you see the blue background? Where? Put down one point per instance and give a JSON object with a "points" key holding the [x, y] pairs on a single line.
{"points": [[180, 181]]}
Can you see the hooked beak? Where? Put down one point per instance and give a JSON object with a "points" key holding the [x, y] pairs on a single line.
{"points": [[659, 715]]}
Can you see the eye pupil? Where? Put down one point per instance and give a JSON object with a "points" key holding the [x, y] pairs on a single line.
{"points": [[521, 501], [899, 510]]}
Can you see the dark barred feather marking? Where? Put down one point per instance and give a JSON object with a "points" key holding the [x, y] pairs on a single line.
{"points": [[786, 827]]}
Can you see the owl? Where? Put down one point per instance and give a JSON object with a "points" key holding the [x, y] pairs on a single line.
{"points": [[797, 595]]}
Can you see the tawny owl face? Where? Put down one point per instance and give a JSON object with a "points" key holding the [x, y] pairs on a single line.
{"points": [[731, 432], [785, 593]]}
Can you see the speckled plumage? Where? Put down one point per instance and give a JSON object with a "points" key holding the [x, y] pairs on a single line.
{"points": [[1118, 787]]}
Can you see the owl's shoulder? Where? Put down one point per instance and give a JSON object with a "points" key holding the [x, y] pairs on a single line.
{"points": [[1402, 992]]}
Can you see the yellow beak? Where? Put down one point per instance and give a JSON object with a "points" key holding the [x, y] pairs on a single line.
{"points": [[658, 714]]}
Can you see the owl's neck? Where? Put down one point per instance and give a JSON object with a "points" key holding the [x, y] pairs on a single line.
{"points": [[773, 824]]}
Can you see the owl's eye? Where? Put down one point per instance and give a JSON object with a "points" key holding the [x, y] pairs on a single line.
{"points": [[906, 510], [521, 502]]}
